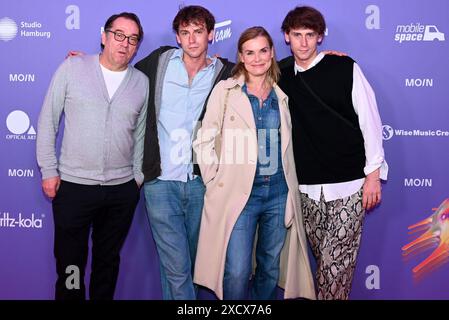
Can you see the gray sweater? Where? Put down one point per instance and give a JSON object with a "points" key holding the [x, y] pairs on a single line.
{"points": [[103, 138]]}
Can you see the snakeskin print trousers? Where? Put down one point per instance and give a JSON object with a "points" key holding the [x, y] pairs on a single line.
{"points": [[334, 231]]}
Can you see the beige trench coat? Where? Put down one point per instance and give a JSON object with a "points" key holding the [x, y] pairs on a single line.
{"points": [[228, 186]]}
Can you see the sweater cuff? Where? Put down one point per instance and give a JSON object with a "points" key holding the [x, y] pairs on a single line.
{"points": [[138, 176], [49, 173]]}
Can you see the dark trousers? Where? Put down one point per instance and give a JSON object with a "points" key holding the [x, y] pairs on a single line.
{"points": [[109, 211]]}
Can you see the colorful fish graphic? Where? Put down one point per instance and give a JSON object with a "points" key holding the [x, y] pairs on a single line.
{"points": [[436, 229]]}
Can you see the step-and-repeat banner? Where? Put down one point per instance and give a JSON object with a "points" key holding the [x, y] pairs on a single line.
{"points": [[402, 47]]}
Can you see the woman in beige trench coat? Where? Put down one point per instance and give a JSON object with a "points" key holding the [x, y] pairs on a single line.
{"points": [[248, 189]]}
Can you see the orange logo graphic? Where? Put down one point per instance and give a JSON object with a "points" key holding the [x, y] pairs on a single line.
{"points": [[436, 229]]}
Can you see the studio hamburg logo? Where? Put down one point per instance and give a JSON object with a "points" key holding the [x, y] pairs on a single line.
{"points": [[8, 29], [435, 235], [19, 126]]}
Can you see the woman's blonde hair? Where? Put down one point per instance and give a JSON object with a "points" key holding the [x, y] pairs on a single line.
{"points": [[249, 34]]}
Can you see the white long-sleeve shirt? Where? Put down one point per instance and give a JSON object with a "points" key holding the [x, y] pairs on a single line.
{"points": [[365, 106]]}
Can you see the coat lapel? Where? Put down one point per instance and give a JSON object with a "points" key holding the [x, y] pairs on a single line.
{"points": [[239, 102], [286, 124]]}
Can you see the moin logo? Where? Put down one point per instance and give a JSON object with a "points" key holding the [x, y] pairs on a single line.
{"points": [[19, 126], [8, 29], [419, 82], [417, 32], [436, 234], [22, 77], [388, 132], [8, 220], [21, 173], [418, 182], [222, 31]]}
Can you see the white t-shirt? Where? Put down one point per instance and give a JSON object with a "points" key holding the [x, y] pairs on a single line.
{"points": [[113, 79]]}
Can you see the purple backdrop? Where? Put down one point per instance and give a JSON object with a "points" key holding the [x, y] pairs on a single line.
{"points": [[402, 49]]}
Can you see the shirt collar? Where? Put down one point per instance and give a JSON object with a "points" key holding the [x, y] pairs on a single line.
{"points": [[312, 64], [271, 96], [178, 53]]}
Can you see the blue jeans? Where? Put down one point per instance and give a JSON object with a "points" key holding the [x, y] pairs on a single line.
{"points": [[265, 209], [174, 211]]}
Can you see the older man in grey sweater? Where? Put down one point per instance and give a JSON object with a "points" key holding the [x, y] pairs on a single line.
{"points": [[96, 180]]}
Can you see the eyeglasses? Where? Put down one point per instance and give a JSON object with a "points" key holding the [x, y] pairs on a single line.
{"points": [[132, 40]]}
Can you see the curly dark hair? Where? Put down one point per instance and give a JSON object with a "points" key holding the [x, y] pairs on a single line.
{"points": [[304, 17], [195, 15]]}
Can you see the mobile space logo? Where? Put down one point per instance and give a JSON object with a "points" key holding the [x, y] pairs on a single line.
{"points": [[222, 31], [418, 32], [19, 126], [8, 29]]}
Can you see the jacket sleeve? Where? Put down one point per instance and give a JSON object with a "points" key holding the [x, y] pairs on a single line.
{"points": [[139, 137], [48, 123], [204, 144]]}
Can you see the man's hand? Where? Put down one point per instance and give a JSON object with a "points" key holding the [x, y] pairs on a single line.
{"points": [[371, 190], [74, 53], [335, 53], [51, 186]]}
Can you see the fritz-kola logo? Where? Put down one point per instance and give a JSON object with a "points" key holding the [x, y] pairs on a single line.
{"points": [[19, 126], [222, 31], [417, 32], [435, 235], [8, 220]]}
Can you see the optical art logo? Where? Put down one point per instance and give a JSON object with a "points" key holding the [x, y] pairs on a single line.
{"points": [[418, 32], [222, 31], [8, 29], [8, 220], [436, 233], [19, 126]]}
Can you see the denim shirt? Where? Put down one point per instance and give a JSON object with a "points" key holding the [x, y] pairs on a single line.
{"points": [[268, 123], [181, 105]]}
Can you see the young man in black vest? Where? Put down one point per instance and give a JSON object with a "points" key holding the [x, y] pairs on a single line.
{"points": [[337, 142]]}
